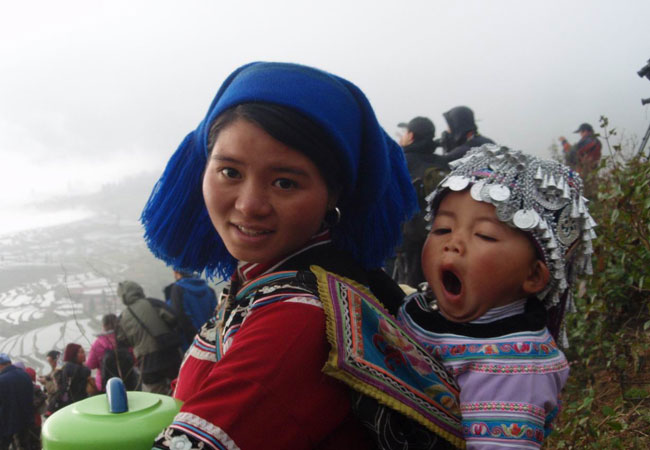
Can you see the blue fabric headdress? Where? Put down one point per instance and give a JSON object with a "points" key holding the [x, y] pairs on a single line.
{"points": [[377, 194]]}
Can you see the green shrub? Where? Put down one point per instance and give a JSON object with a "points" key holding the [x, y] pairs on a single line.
{"points": [[607, 398]]}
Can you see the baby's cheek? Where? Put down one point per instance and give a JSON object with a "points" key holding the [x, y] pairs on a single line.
{"points": [[428, 258]]}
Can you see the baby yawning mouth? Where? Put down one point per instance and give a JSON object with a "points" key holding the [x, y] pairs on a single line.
{"points": [[451, 282]]}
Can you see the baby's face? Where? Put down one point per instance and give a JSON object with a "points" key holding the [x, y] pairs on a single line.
{"points": [[474, 262]]}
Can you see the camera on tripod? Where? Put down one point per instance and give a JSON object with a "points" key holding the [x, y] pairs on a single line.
{"points": [[645, 71]]}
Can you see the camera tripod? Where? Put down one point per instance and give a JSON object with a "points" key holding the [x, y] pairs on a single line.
{"points": [[644, 141], [645, 72]]}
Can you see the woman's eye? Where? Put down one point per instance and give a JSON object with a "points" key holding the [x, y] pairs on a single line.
{"points": [[285, 183], [440, 231], [486, 237], [229, 172]]}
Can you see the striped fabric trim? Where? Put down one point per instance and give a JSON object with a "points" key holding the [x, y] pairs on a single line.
{"points": [[502, 443], [204, 431], [515, 353], [313, 301], [495, 408], [507, 369], [501, 312], [508, 431], [270, 299], [202, 352]]}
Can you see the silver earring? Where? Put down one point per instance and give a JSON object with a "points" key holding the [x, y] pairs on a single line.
{"points": [[337, 211], [332, 218]]}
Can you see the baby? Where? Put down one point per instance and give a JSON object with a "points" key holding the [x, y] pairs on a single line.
{"points": [[510, 233]]}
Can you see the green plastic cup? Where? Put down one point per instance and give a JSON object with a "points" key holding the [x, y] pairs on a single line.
{"points": [[89, 424]]}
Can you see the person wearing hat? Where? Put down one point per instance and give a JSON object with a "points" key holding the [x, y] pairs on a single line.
{"points": [[583, 157], [461, 135], [150, 332], [419, 146], [289, 175], [47, 381], [16, 405]]}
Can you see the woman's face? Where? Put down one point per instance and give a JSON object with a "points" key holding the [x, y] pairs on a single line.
{"points": [[265, 199], [81, 356]]}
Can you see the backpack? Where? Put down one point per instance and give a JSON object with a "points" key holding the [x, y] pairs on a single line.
{"points": [[174, 337], [121, 364], [62, 397], [171, 339]]}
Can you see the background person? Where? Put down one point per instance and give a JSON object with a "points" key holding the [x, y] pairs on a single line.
{"points": [[141, 326], [288, 169], [40, 403], [583, 156], [74, 375], [47, 381], [462, 134], [418, 145], [105, 342], [16, 405], [193, 301]]}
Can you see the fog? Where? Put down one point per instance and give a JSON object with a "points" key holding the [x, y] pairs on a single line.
{"points": [[92, 92]]}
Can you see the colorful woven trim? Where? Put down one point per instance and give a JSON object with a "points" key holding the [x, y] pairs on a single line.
{"points": [[375, 356], [261, 291], [503, 432], [199, 429]]}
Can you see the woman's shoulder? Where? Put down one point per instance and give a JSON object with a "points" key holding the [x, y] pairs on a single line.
{"points": [[277, 286]]}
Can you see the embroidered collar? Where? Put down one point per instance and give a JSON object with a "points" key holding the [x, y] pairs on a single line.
{"points": [[501, 312], [248, 271]]}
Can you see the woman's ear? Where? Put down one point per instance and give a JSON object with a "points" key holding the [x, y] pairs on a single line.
{"points": [[333, 198], [537, 278]]}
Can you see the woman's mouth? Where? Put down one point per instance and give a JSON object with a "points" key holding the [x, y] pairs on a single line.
{"points": [[252, 232], [451, 282]]}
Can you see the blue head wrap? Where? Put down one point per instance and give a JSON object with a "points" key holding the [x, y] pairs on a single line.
{"points": [[377, 194]]}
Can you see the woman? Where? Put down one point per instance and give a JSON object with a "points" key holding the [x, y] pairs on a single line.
{"points": [[288, 170], [73, 378], [104, 342]]}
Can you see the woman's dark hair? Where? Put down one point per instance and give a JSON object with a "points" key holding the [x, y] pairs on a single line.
{"points": [[70, 352], [54, 354], [109, 321], [292, 129]]}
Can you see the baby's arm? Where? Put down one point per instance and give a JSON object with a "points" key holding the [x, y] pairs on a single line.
{"points": [[514, 409]]}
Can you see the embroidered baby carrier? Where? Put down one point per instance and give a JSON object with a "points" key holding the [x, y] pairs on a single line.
{"points": [[397, 386]]}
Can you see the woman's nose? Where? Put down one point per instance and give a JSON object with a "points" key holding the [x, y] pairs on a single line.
{"points": [[253, 200]]}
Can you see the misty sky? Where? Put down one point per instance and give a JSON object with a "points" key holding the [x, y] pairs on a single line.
{"points": [[92, 91]]}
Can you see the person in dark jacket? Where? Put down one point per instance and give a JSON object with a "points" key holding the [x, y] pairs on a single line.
{"points": [[583, 156], [16, 405], [193, 301], [142, 327], [74, 373], [462, 134], [40, 402], [48, 380], [419, 146]]}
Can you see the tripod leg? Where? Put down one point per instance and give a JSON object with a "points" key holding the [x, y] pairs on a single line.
{"points": [[644, 141]]}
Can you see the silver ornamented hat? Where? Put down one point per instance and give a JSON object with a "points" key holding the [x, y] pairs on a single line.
{"points": [[541, 197]]}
